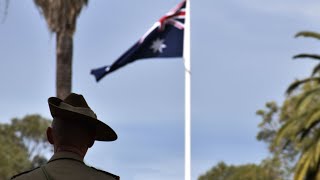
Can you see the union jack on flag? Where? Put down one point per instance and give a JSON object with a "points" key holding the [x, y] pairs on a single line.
{"points": [[163, 39]]}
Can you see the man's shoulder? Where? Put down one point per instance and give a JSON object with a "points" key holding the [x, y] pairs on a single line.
{"points": [[106, 173], [30, 174], [38, 173]]}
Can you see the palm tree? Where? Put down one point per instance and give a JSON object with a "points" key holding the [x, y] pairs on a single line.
{"points": [[303, 129], [61, 17]]}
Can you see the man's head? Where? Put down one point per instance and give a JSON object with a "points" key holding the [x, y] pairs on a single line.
{"points": [[75, 124], [71, 133]]}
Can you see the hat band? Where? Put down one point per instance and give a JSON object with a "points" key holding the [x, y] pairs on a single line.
{"points": [[80, 110]]}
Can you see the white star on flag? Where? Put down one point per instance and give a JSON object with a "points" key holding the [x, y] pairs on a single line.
{"points": [[158, 45]]}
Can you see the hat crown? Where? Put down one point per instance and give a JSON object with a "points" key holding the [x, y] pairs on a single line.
{"points": [[76, 100], [74, 106]]}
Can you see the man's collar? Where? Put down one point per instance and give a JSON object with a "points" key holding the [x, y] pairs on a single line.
{"points": [[66, 155]]}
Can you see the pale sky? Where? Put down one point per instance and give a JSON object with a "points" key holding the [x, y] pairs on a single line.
{"points": [[241, 58]]}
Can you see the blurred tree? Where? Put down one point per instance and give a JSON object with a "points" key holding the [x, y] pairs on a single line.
{"points": [[265, 171], [292, 130], [273, 118], [61, 17], [23, 144]]}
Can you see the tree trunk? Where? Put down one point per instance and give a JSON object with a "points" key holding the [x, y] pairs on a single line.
{"points": [[64, 64]]}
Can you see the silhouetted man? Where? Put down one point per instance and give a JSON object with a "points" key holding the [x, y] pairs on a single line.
{"points": [[74, 129]]}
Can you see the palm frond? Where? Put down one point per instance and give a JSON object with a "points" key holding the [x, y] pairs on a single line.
{"points": [[285, 132], [295, 129], [313, 118], [61, 15], [297, 83], [309, 161], [308, 34], [316, 70], [311, 123], [302, 166], [311, 56], [301, 102]]}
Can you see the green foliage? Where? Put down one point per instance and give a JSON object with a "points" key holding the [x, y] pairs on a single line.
{"points": [[268, 169], [13, 154], [301, 131], [273, 118], [296, 138], [23, 144]]}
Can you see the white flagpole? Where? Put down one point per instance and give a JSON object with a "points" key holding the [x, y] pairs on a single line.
{"points": [[187, 63]]}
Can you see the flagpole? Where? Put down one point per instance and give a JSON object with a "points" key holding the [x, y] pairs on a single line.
{"points": [[187, 63]]}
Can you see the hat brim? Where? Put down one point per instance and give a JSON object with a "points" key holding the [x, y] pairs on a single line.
{"points": [[103, 131]]}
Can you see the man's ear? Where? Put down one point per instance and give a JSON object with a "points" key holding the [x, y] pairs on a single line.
{"points": [[50, 135], [92, 136]]}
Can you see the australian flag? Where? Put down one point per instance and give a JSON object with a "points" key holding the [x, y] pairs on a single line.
{"points": [[163, 39]]}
